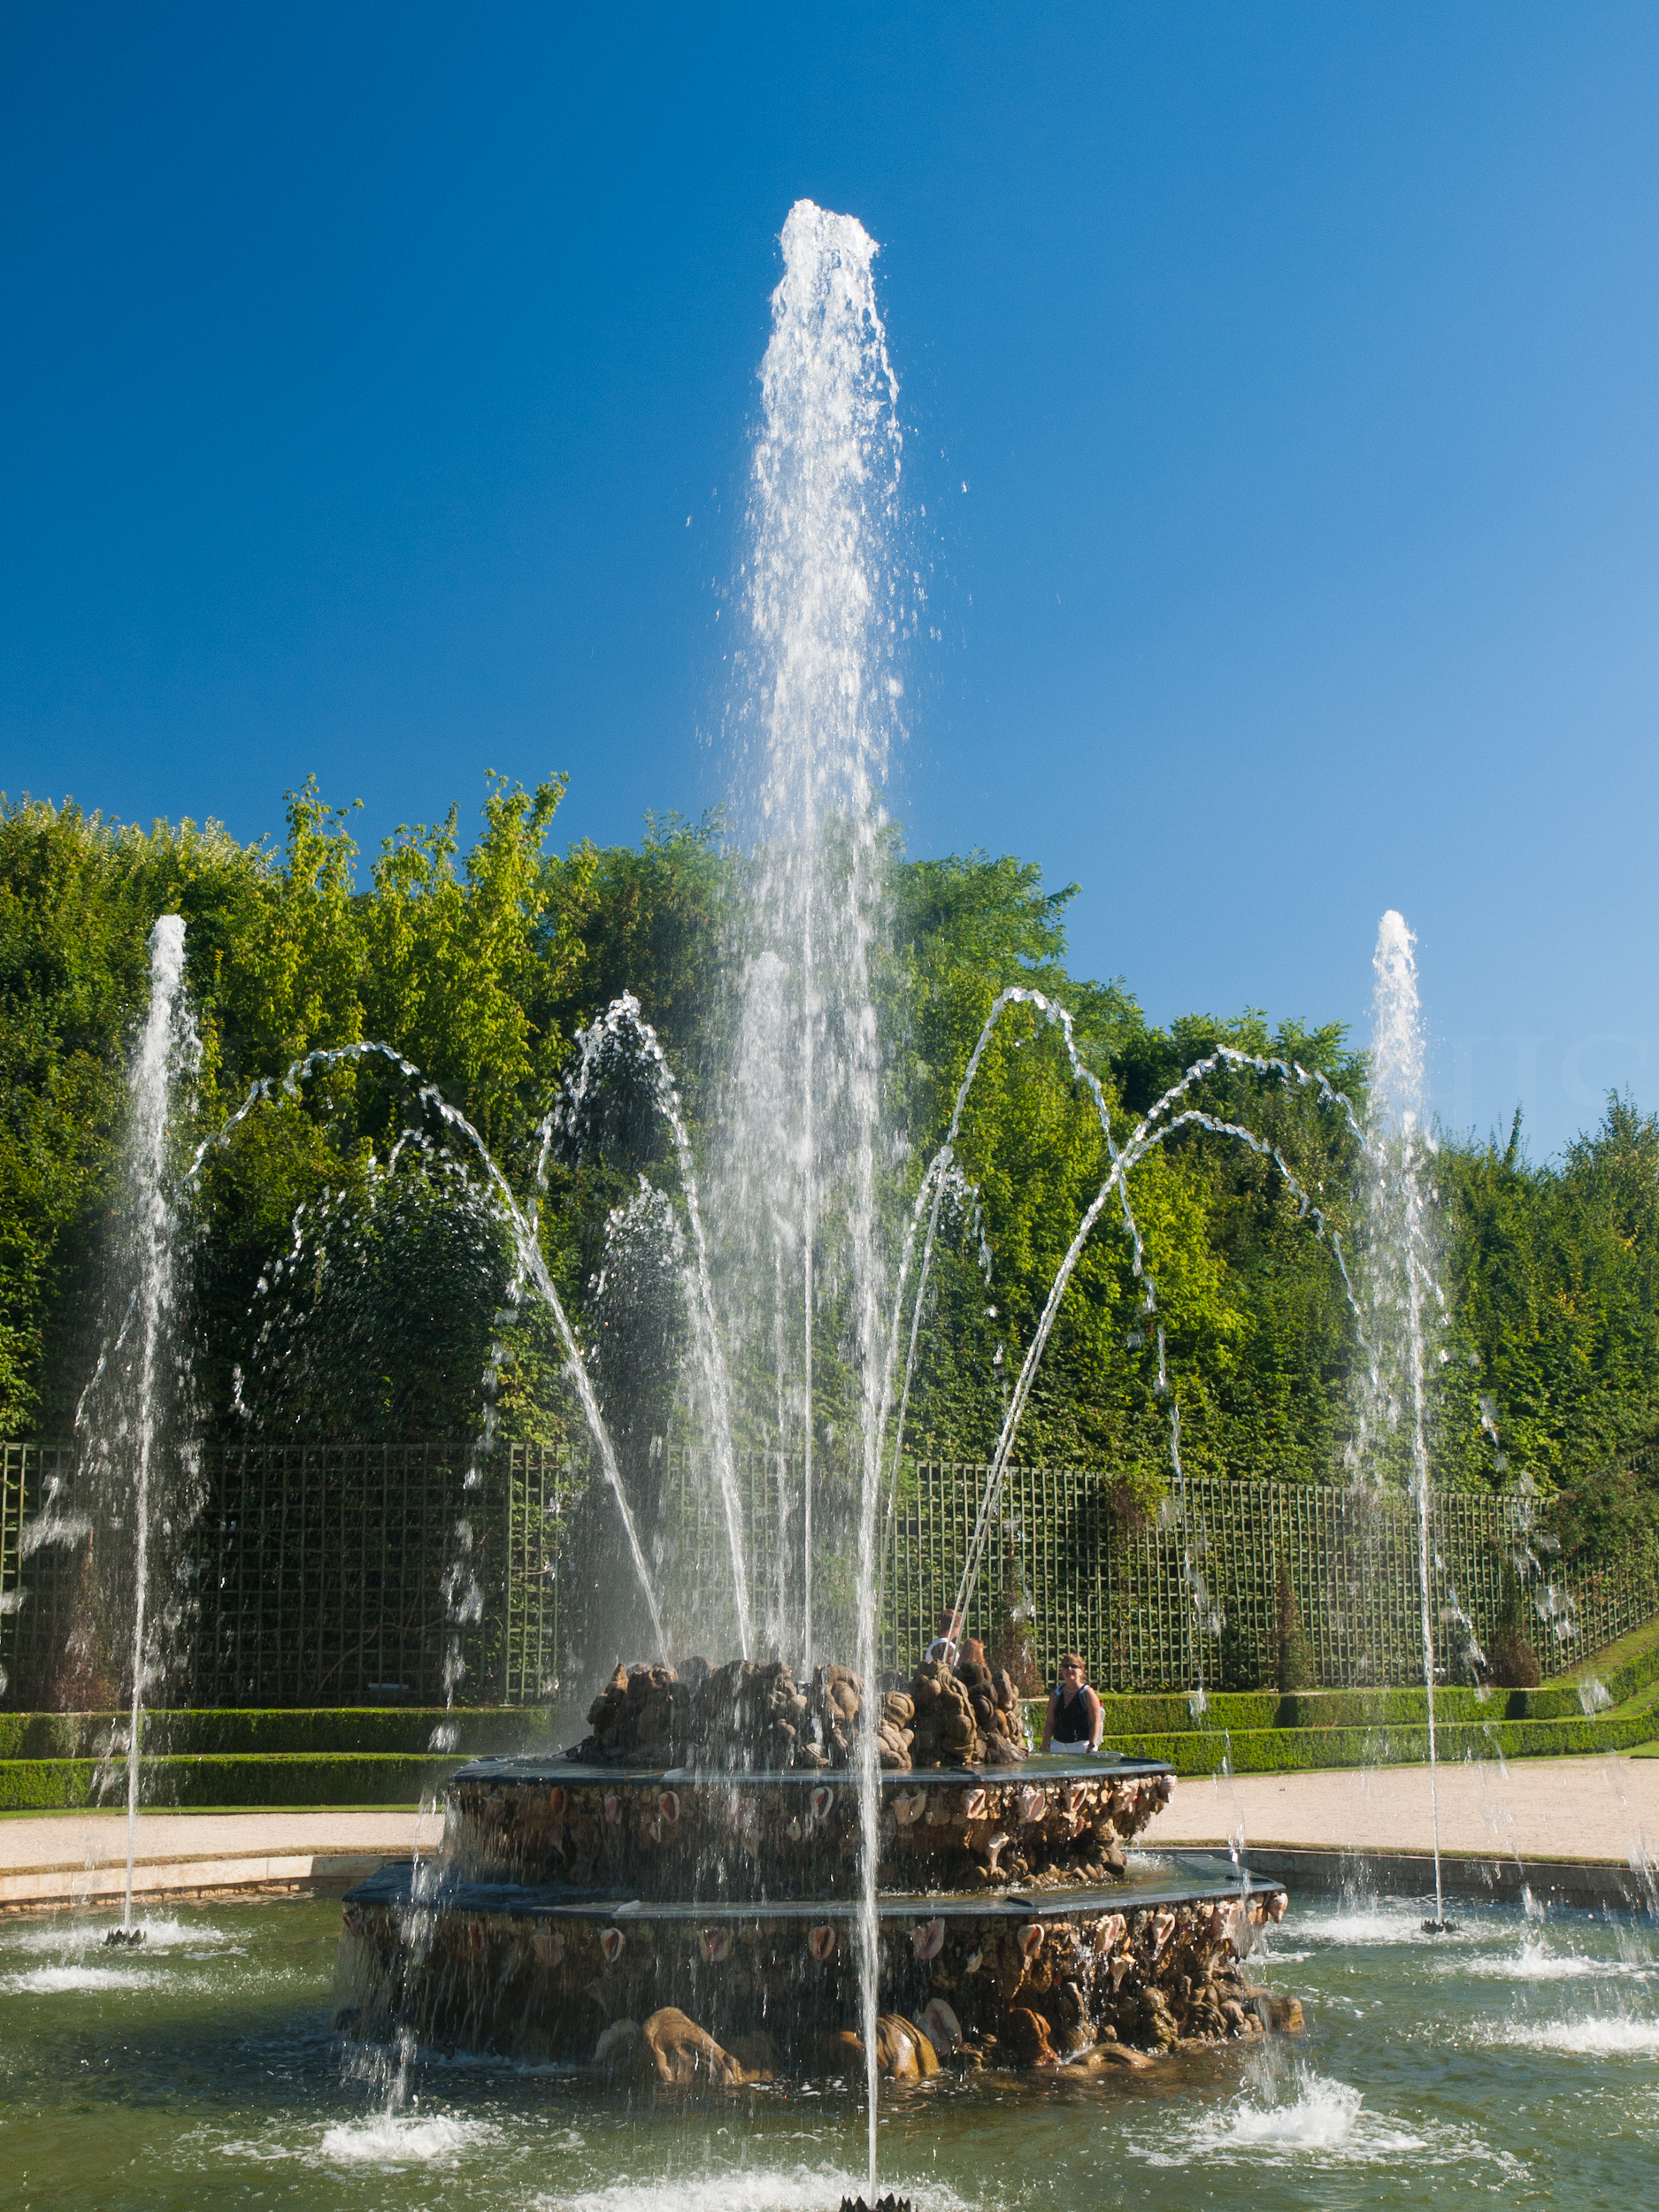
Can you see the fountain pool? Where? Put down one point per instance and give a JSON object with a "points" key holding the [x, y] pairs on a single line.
{"points": [[1513, 2060]]}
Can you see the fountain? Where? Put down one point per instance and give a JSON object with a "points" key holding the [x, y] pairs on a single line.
{"points": [[133, 1476], [692, 1861], [786, 1864], [1400, 1280], [167, 1050], [782, 1866]]}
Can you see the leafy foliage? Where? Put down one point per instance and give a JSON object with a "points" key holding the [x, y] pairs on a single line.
{"points": [[480, 962], [1257, 1340]]}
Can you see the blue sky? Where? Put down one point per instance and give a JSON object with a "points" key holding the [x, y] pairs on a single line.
{"points": [[378, 383]]}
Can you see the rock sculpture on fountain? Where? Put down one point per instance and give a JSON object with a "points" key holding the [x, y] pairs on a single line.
{"points": [[755, 1717]]}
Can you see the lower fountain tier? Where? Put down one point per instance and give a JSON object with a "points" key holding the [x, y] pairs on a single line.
{"points": [[543, 1972], [717, 1835]]}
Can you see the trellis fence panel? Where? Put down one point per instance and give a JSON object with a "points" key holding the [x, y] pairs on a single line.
{"points": [[1191, 1592], [320, 1574], [357, 1573]]}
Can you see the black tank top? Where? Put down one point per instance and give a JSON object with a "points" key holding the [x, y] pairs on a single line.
{"points": [[1070, 1721]]}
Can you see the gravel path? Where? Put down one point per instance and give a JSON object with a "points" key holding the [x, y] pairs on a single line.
{"points": [[1604, 1808], [91, 1841], [1537, 1808]]}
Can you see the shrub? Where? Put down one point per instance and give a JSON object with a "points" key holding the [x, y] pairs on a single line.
{"points": [[1294, 1668], [1240, 1657], [1513, 1665]]}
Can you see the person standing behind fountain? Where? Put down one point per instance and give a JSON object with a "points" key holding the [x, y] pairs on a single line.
{"points": [[946, 1643], [1073, 1720]]}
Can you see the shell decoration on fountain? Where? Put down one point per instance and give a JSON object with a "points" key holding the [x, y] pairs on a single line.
{"points": [[668, 1805], [927, 1939], [819, 1802], [1080, 1969], [612, 1808], [556, 1800], [1033, 1803], [1109, 1933], [550, 1949], [909, 1807], [474, 1935]]}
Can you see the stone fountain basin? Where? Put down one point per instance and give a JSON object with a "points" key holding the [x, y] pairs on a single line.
{"points": [[540, 1971], [570, 1902], [1153, 1880], [689, 1833]]}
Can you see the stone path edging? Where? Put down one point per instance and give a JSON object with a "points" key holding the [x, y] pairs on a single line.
{"points": [[182, 1878], [1580, 1884]]}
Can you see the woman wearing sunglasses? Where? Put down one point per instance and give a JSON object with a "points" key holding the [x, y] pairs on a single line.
{"points": [[1074, 1719]]}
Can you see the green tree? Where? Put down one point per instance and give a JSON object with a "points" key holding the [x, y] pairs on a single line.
{"points": [[479, 962]]}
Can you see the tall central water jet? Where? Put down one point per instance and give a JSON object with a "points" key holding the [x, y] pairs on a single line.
{"points": [[815, 726], [826, 610], [1401, 1276]]}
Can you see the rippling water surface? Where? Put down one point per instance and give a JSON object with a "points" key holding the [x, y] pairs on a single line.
{"points": [[1512, 2062]]}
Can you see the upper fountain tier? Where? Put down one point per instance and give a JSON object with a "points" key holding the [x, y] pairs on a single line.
{"points": [[680, 1832]]}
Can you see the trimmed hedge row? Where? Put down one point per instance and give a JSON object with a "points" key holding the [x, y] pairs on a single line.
{"points": [[1171, 1715], [290, 1779], [335, 1730], [406, 1730], [1302, 1750], [1409, 1708], [1636, 1673], [268, 1779]]}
